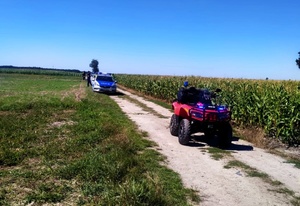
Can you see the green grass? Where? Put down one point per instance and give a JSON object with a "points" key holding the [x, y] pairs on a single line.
{"points": [[58, 148], [144, 106], [251, 172], [295, 161], [148, 98], [40, 71], [162, 104], [217, 153], [290, 157], [236, 163]]}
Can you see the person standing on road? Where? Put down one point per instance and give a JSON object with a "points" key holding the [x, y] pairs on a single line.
{"points": [[83, 75], [89, 79], [182, 93]]}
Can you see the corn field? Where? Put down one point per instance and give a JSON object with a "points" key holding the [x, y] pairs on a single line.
{"points": [[268, 104]]}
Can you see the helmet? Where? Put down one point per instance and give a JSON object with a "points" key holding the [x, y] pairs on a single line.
{"points": [[186, 83]]}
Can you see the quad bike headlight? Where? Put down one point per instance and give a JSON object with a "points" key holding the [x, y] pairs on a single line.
{"points": [[196, 114]]}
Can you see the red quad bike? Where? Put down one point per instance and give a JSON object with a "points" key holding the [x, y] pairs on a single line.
{"points": [[194, 111]]}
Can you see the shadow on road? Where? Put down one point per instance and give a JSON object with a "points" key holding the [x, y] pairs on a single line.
{"points": [[111, 94], [213, 142], [195, 144], [115, 94], [239, 147]]}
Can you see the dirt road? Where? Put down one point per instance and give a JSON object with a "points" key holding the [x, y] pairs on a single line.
{"points": [[216, 184]]}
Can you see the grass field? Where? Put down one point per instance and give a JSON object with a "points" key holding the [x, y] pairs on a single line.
{"points": [[62, 143]]}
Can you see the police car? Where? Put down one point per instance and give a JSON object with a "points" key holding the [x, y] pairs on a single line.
{"points": [[103, 82]]}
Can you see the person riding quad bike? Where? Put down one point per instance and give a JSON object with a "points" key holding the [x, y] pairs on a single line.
{"points": [[194, 111]]}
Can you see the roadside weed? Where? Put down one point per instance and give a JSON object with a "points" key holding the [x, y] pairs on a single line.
{"points": [[217, 153]]}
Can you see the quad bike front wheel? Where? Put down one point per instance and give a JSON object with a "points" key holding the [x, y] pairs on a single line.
{"points": [[184, 132], [174, 125]]}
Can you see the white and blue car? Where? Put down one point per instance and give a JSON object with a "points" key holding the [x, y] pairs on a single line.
{"points": [[103, 82]]}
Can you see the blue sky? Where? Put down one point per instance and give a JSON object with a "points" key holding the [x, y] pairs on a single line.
{"points": [[211, 38]]}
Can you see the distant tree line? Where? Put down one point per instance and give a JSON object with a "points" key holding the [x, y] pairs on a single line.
{"points": [[39, 68]]}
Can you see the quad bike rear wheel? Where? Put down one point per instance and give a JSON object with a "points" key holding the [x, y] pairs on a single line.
{"points": [[184, 131], [225, 135], [174, 125]]}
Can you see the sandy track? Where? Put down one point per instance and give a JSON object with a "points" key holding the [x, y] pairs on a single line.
{"points": [[216, 185]]}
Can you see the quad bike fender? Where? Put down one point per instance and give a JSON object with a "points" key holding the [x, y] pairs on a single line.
{"points": [[181, 110]]}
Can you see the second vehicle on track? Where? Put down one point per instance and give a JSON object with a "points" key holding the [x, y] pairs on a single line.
{"points": [[103, 82]]}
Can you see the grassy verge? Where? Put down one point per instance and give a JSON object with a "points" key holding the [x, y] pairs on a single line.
{"points": [[62, 143]]}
